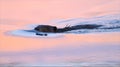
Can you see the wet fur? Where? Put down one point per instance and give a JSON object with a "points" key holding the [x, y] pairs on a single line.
{"points": [[54, 29]]}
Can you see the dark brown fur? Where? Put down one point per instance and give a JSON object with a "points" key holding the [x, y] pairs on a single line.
{"points": [[46, 28], [54, 29]]}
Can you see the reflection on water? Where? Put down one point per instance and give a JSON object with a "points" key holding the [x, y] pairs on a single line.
{"points": [[83, 47], [77, 54]]}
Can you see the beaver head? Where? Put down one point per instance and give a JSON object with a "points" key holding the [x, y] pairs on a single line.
{"points": [[46, 28]]}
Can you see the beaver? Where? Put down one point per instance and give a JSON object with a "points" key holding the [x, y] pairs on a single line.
{"points": [[54, 29]]}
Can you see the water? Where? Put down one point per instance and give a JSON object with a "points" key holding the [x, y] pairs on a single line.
{"points": [[83, 47]]}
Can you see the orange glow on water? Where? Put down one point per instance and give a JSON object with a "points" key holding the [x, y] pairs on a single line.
{"points": [[22, 44], [41, 11]]}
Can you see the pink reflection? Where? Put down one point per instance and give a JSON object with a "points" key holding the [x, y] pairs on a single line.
{"points": [[41, 11], [23, 12], [21, 44]]}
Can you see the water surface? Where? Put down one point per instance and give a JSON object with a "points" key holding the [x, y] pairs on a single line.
{"points": [[83, 47]]}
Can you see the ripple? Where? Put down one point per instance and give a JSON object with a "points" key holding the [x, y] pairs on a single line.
{"points": [[31, 33]]}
